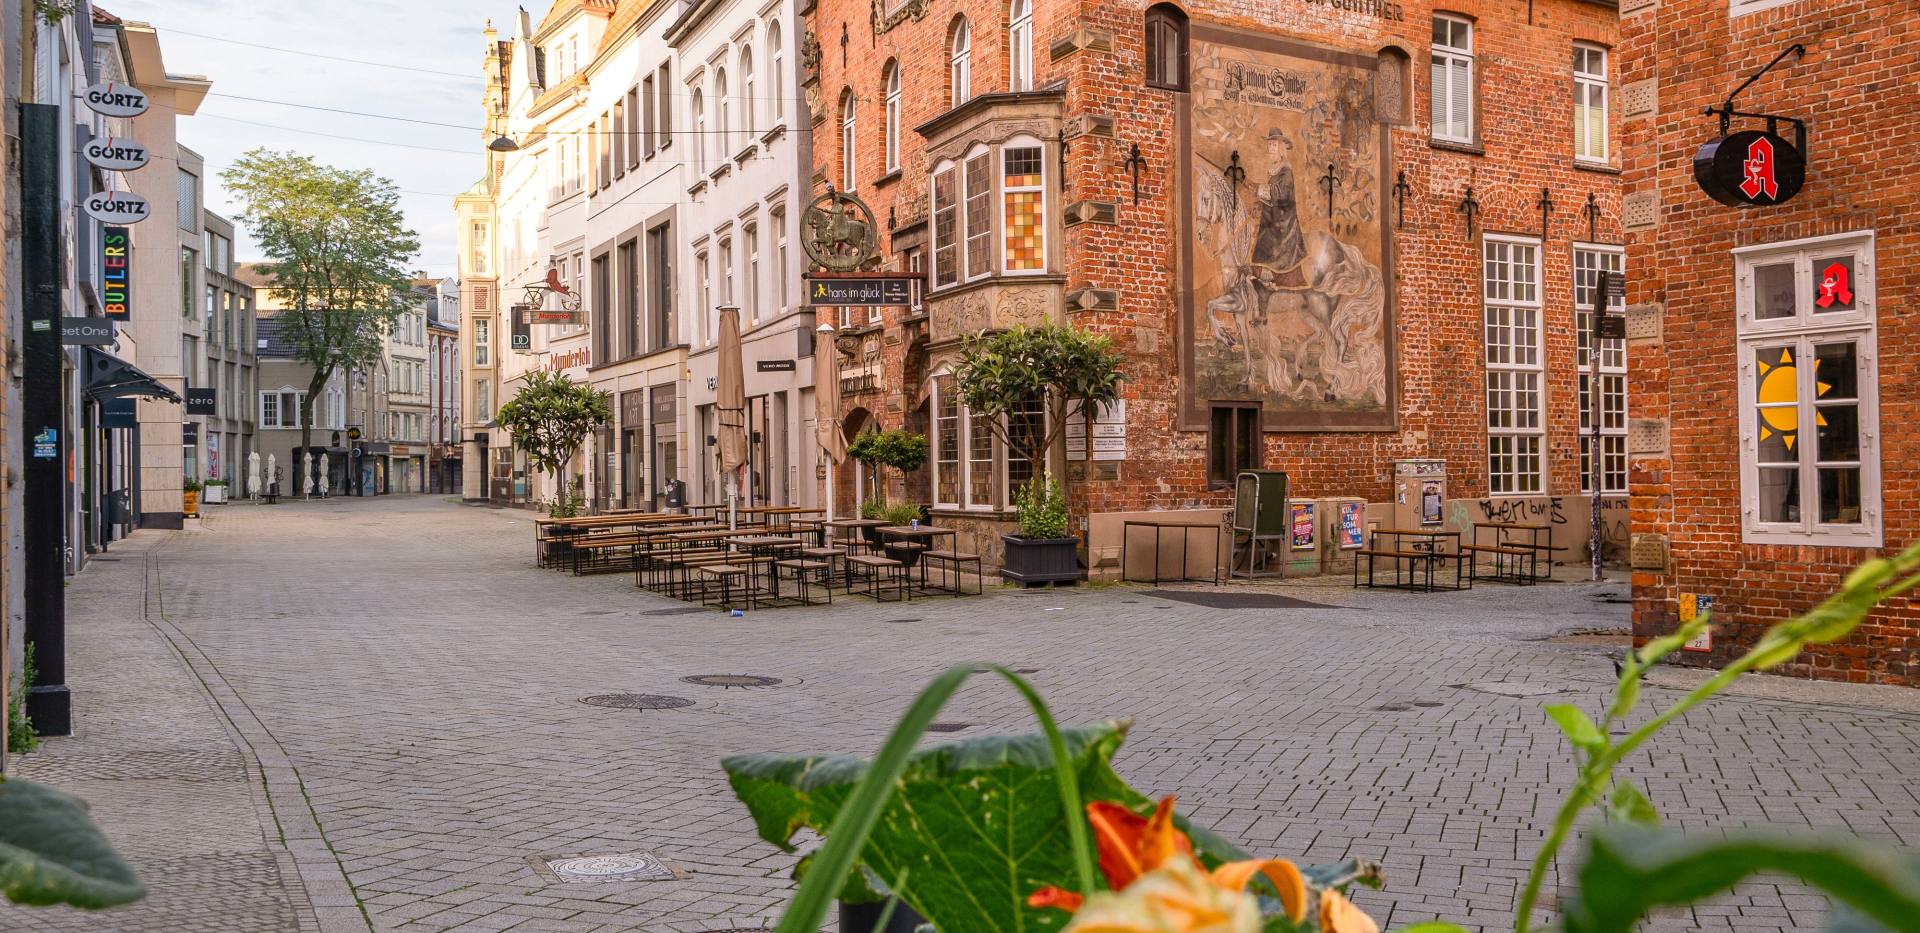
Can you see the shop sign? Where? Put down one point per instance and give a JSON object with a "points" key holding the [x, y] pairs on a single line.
{"points": [[866, 291], [202, 401], [1751, 168], [46, 444], [773, 366], [116, 100], [116, 155], [116, 282], [189, 432], [116, 207], [86, 332], [119, 413], [1303, 525]]}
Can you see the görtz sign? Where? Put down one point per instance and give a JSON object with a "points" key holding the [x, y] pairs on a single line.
{"points": [[117, 207], [116, 155]]}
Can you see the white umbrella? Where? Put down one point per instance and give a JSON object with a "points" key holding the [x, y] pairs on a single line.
{"points": [[312, 485], [322, 480], [273, 469], [253, 473]]}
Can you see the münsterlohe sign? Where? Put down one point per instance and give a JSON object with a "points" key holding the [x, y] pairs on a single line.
{"points": [[117, 207], [119, 155], [86, 331], [116, 100], [116, 290], [1751, 168], [864, 291]]}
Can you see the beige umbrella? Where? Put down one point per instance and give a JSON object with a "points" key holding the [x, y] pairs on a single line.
{"points": [[826, 399], [730, 404]]}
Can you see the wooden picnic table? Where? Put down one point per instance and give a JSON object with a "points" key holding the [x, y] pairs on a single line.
{"points": [[1425, 552], [771, 545], [1536, 550]]}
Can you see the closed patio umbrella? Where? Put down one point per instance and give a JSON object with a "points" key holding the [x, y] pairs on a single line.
{"points": [[311, 484], [322, 481], [730, 404], [253, 474], [273, 471], [826, 400]]}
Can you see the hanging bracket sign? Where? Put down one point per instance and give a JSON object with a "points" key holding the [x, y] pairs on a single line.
{"points": [[117, 155], [1751, 168], [117, 207], [116, 100]]}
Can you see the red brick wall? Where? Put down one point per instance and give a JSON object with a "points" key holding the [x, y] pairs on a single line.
{"points": [[1855, 87], [1525, 115]]}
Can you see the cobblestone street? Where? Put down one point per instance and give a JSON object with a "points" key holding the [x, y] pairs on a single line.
{"points": [[366, 714]]}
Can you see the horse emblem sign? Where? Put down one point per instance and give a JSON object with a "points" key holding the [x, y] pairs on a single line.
{"points": [[838, 232]]}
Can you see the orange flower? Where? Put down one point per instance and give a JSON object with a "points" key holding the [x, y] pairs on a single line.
{"points": [[1338, 915]]}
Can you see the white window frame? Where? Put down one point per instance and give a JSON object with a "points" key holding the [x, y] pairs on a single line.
{"points": [[750, 235], [849, 142], [1000, 217], [958, 245], [1020, 46], [482, 342], [960, 63], [747, 106], [1444, 57], [776, 84], [777, 218], [723, 131], [1589, 85], [1514, 356], [699, 132], [959, 451], [893, 118], [705, 271], [967, 234], [1589, 259], [1805, 329]]}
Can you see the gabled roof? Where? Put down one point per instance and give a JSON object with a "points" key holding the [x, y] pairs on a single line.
{"points": [[561, 9], [625, 14], [271, 334]]}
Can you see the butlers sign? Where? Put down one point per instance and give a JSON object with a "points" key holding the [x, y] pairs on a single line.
{"points": [[1751, 168]]}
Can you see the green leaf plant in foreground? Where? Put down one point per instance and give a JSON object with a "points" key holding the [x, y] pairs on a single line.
{"points": [[962, 833], [51, 853], [1857, 874]]}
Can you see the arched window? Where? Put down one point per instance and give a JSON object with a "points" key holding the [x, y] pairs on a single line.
{"points": [[776, 82], [1020, 45], [699, 132], [1166, 45], [848, 141], [723, 131], [747, 105], [960, 61], [892, 127]]}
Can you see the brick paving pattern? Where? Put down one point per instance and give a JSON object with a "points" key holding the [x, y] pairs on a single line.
{"points": [[410, 687]]}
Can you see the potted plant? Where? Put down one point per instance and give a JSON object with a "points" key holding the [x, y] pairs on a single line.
{"points": [[215, 491], [190, 498], [1070, 373], [902, 450], [549, 419], [1040, 832]]}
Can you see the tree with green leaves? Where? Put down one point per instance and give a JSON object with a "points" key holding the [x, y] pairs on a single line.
{"points": [[902, 450], [549, 419], [1069, 371], [337, 250]]}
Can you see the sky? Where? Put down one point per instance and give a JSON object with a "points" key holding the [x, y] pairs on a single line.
{"points": [[438, 43]]}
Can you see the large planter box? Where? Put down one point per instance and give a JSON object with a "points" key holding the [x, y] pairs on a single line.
{"points": [[1041, 560], [215, 495]]}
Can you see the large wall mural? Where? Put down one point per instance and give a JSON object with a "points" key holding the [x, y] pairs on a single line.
{"points": [[1285, 254]]}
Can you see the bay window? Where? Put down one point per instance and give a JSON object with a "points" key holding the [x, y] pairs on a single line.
{"points": [[979, 213], [1516, 430], [1024, 198], [976, 234], [1809, 400], [946, 226]]}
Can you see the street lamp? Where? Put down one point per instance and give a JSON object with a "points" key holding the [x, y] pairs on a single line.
{"points": [[503, 143]]}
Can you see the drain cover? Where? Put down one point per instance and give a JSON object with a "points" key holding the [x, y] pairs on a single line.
{"points": [[901, 621], [731, 680], [947, 726], [636, 701], [674, 611], [639, 866], [1505, 689]]}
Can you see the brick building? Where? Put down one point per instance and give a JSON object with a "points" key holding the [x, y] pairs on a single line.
{"points": [[1729, 303], [1311, 257]]}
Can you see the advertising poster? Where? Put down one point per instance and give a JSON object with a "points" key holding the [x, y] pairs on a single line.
{"points": [[1302, 524], [1353, 525]]}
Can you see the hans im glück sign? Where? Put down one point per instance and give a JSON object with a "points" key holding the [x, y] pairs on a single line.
{"points": [[864, 291]]}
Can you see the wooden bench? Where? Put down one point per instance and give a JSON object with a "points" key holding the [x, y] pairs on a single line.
{"points": [[726, 573], [803, 569], [953, 561], [1507, 562], [879, 572], [1413, 561]]}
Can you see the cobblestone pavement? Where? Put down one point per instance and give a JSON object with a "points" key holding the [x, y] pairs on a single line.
{"points": [[404, 687]]}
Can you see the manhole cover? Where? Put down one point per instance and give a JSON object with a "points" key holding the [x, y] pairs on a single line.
{"points": [[947, 726], [636, 701], [639, 866], [1505, 689], [674, 611], [732, 680]]}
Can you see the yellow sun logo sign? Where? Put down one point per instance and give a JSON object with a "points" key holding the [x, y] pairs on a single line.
{"points": [[1779, 395]]}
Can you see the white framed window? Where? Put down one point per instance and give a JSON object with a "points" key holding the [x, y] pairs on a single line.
{"points": [[723, 131], [946, 443], [893, 117], [1020, 45], [483, 399], [776, 82], [748, 107], [1743, 7], [482, 342], [945, 192], [960, 62], [1516, 426], [1452, 90], [1588, 262], [281, 409], [1023, 206], [777, 218], [699, 132], [751, 234], [1809, 392], [726, 273], [706, 296], [849, 146], [979, 212], [1589, 102]]}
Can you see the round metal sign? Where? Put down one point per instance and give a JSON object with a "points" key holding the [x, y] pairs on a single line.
{"points": [[1751, 168], [118, 155], [117, 207], [838, 232], [116, 100]]}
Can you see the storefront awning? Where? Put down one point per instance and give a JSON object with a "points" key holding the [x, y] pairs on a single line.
{"points": [[111, 377]]}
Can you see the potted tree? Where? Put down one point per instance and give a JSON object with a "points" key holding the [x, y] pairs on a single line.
{"points": [[1071, 373], [549, 419], [899, 449], [190, 498]]}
